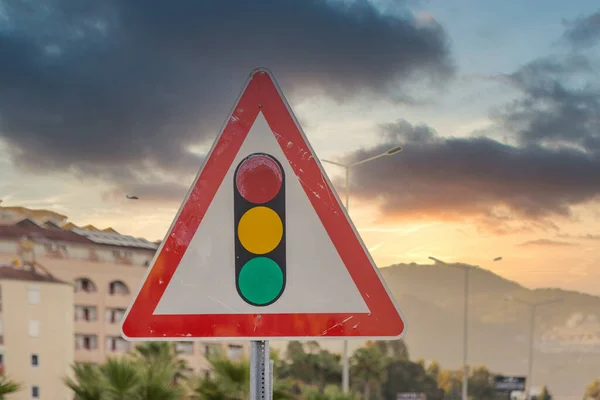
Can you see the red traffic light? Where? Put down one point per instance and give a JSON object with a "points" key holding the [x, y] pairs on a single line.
{"points": [[259, 178]]}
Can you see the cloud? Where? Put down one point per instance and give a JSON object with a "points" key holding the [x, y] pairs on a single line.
{"points": [[114, 89], [546, 243], [583, 32], [552, 165], [587, 236], [450, 178]]}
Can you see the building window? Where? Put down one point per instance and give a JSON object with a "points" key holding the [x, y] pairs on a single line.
{"points": [[114, 315], [84, 285], [235, 352], [118, 288], [212, 350], [123, 257], [86, 313], [184, 347], [33, 294], [34, 328], [116, 343], [86, 342], [34, 360], [35, 392]]}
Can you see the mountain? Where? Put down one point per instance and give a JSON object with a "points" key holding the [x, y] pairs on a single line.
{"points": [[567, 334]]}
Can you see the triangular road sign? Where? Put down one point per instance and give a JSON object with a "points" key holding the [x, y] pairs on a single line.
{"points": [[261, 247]]}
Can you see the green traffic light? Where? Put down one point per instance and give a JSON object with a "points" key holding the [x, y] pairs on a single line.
{"points": [[260, 281]]}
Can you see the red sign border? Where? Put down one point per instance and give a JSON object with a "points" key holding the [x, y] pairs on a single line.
{"points": [[261, 94]]}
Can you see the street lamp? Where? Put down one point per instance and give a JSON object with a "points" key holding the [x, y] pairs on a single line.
{"points": [[466, 268], [533, 307], [392, 151]]}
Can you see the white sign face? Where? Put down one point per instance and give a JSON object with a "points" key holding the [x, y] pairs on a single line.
{"points": [[317, 280]]}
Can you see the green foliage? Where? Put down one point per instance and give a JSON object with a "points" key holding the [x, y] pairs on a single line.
{"points": [[369, 369], [544, 395], [148, 374], [313, 367], [87, 384], [379, 371], [592, 391], [331, 392], [406, 376], [8, 386]]}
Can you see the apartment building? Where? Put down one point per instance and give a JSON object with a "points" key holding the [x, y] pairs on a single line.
{"points": [[36, 312], [105, 268]]}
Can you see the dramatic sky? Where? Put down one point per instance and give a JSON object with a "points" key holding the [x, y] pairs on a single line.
{"points": [[497, 106]]}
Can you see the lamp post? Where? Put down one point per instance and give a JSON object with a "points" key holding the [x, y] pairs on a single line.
{"points": [[347, 168], [466, 268], [533, 307]]}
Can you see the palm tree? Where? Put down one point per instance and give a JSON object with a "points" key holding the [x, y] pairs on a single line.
{"points": [[121, 379], [8, 386], [148, 377], [230, 380], [165, 353], [87, 384]]}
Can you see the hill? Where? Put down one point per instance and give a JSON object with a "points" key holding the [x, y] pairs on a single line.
{"points": [[567, 334]]}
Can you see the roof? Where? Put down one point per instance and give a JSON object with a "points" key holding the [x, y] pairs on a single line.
{"points": [[115, 239], [68, 226], [22, 274], [38, 233], [33, 211]]}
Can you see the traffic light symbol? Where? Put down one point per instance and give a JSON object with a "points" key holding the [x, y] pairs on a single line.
{"points": [[259, 214]]}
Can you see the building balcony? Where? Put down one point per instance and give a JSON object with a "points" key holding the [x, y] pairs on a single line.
{"points": [[87, 298], [117, 301], [93, 356], [87, 327]]}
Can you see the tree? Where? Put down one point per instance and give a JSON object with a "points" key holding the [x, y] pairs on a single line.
{"points": [[368, 371], [451, 383], [316, 367], [230, 380], [406, 376], [121, 379], [87, 384], [481, 384], [592, 391], [544, 395], [147, 374], [8, 386], [391, 348], [331, 392], [162, 353]]}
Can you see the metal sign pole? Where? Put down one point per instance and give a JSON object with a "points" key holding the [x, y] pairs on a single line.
{"points": [[261, 384]]}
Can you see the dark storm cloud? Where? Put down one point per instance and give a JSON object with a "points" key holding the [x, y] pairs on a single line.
{"points": [[553, 165], [96, 87], [584, 32], [559, 103], [476, 176]]}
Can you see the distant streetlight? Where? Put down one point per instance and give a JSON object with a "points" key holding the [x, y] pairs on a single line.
{"points": [[390, 152], [533, 307], [466, 268], [132, 197]]}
